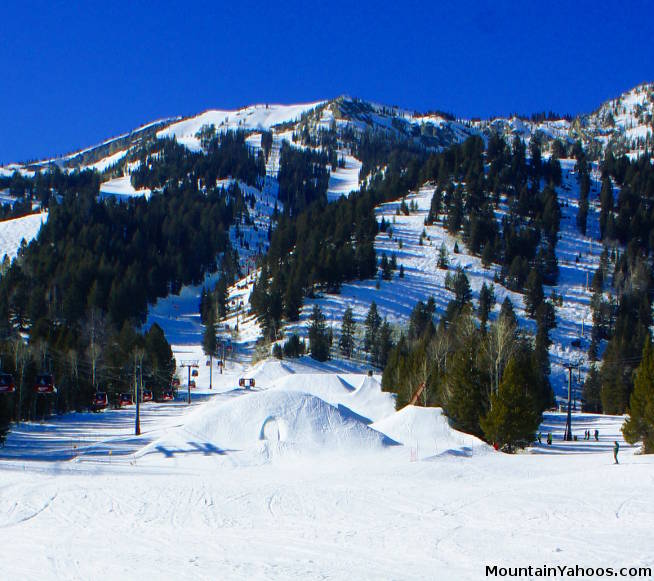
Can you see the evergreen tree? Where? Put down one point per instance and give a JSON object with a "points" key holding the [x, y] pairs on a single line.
{"points": [[385, 267], [220, 294], [606, 209], [372, 324], [293, 347], [421, 322], [508, 312], [545, 322], [462, 290], [534, 294], [443, 259], [464, 379], [512, 420], [209, 343], [384, 344], [640, 423], [486, 303], [318, 335], [591, 392], [348, 330]]}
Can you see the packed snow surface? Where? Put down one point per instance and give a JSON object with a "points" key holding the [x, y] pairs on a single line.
{"points": [[344, 180], [368, 400], [121, 189], [427, 430], [13, 232], [255, 117], [279, 484], [263, 423]]}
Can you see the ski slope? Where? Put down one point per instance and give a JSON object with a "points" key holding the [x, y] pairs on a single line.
{"points": [[253, 118], [14, 231], [344, 180], [280, 484], [121, 189], [578, 258]]}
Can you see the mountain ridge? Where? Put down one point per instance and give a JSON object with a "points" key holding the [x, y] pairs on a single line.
{"points": [[624, 123]]}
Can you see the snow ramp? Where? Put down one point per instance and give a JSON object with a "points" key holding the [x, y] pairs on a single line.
{"points": [[275, 420], [367, 401], [426, 429]]}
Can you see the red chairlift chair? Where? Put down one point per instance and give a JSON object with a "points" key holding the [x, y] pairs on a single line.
{"points": [[44, 384], [7, 384]]}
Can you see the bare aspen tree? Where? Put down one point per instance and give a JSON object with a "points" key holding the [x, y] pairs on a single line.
{"points": [[21, 357], [94, 329], [73, 361], [499, 346]]}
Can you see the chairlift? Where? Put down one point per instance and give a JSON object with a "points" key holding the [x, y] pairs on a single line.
{"points": [[7, 384], [100, 401], [147, 395], [246, 382], [175, 382], [125, 399], [194, 373], [44, 384], [167, 395]]}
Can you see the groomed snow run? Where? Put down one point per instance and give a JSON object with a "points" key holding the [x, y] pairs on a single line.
{"points": [[255, 117], [280, 484], [13, 232], [121, 189]]}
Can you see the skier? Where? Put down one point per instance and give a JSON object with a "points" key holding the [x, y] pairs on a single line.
{"points": [[540, 436], [549, 439], [616, 449], [597, 435]]}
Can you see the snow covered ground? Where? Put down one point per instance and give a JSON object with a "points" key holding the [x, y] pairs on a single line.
{"points": [[278, 484], [255, 117], [578, 258], [344, 180], [121, 189], [13, 232]]}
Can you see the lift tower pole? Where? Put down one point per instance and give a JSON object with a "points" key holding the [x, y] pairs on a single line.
{"points": [[190, 364], [568, 424]]}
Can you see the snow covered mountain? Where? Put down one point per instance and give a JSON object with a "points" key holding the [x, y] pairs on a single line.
{"points": [[624, 124]]}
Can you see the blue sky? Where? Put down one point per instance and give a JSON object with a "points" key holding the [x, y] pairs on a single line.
{"points": [[73, 74]]}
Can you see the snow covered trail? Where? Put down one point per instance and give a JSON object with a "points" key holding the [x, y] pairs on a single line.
{"points": [[85, 435], [325, 517], [13, 232], [185, 501], [344, 180], [121, 189]]}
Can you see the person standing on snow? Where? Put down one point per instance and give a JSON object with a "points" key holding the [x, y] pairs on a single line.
{"points": [[597, 435], [549, 439], [616, 449]]}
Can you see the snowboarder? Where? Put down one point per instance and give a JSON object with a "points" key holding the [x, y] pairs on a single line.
{"points": [[616, 449], [597, 435], [549, 439]]}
